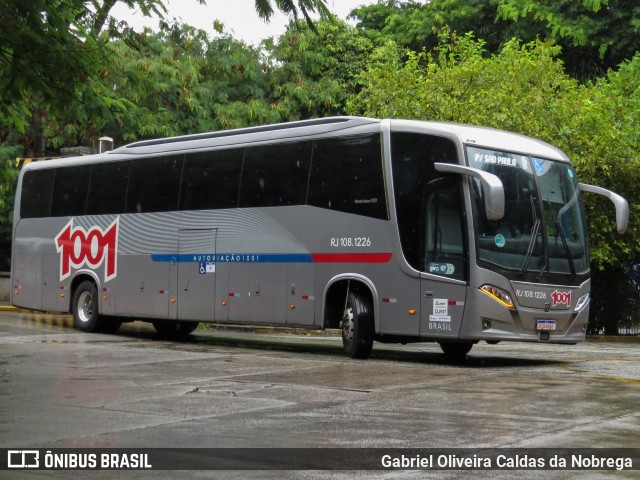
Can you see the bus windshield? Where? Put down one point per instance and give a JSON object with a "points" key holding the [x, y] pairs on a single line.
{"points": [[543, 228]]}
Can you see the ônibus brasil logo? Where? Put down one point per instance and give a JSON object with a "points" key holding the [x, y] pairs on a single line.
{"points": [[562, 298], [78, 247]]}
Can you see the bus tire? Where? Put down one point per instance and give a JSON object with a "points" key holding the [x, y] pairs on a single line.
{"points": [[357, 326], [456, 349], [174, 329], [84, 307]]}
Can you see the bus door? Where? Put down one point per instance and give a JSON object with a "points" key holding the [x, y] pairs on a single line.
{"points": [[196, 274], [443, 257]]}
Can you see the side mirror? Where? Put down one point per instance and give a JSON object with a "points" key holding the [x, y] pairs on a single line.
{"points": [[622, 207], [491, 186]]}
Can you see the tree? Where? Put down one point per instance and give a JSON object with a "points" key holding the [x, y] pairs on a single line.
{"points": [[595, 35], [312, 72], [181, 81], [415, 24], [48, 49]]}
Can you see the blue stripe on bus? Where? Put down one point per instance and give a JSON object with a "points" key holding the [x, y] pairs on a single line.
{"points": [[234, 257]]}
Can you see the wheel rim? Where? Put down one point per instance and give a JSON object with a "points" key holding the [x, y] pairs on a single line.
{"points": [[85, 306], [347, 324]]}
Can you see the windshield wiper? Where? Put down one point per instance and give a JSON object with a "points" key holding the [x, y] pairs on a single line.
{"points": [[560, 233], [534, 236]]}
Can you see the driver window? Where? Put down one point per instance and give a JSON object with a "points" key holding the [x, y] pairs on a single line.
{"points": [[428, 204], [443, 235]]}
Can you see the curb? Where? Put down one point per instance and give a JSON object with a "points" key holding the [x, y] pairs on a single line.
{"points": [[12, 309]]}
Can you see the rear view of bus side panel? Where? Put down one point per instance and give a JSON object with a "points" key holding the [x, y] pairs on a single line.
{"points": [[36, 267], [26, 287]]}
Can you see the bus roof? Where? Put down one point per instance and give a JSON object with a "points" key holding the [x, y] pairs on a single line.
{"points": [[467, 134], [276, 131], [486, 137]]}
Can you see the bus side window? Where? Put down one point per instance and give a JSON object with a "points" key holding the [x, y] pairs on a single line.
{"points": [[347, 176], [211, 180], [108, 188], [154, 184], [275, 175], [35, 200], [70, 191]]}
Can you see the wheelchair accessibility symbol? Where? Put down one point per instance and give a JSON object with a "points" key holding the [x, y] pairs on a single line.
{"points": [[206, 267]]}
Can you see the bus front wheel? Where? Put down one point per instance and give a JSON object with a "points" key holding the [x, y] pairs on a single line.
{"points": [[357, 326]]}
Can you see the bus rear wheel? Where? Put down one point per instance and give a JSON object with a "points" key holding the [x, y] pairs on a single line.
{"points": [[456, 349], [357, 326], [174, 329], [84, 308]]}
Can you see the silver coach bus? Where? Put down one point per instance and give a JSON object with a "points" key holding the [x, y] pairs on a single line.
{"points": [[390, 230]]}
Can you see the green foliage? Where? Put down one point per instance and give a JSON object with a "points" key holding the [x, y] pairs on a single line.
{"points": [[313, 72], [181, 81], [415, 24], [293, 9], [8, 179], [460, 83], [595, 35], [51, 50], [61, 71], [603, 138]]}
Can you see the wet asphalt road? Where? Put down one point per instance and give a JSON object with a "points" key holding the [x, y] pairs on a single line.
{"points": [[64, 388]]}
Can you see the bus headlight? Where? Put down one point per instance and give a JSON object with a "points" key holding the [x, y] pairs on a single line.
{"points": [[499, 295], [583, 301]]}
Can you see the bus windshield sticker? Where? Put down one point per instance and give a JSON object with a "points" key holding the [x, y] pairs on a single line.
{"points": [[491, 159], [500, 240], [539, 164]]}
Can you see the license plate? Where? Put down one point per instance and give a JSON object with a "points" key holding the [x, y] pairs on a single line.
{"points": [[547, 324]]}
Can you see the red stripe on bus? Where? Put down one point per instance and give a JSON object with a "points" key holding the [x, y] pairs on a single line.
{"points": [[351, 257]]}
